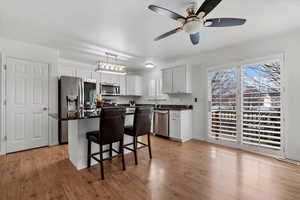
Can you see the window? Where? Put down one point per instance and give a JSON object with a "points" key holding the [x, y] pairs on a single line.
{"points": [[261, 118], [245, 105], [223, 105]]}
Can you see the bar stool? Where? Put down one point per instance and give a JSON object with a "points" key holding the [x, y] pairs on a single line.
{"points": [[141, 126], [111, 131]]}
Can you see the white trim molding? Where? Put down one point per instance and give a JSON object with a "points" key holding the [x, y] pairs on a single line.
{"points": [[2, 107], [238, 66]]}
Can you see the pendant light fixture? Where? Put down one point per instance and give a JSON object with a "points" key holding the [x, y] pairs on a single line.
{"points": [[111, 67]]}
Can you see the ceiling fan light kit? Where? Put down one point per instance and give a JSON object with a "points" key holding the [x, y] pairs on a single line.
{"points": [[192, 26], [195, 20]]}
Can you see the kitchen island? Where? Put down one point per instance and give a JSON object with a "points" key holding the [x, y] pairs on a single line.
{"points": [[78, 125]]}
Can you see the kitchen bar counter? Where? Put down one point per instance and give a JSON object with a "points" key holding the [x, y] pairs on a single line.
{"points": [[78, 126]]}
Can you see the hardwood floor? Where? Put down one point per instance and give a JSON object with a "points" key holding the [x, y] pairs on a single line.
{"points": [[193, 170]]}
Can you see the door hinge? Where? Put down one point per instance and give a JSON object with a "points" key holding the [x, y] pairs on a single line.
{"points": [[5, 67], [5, 138], [4, 102]]}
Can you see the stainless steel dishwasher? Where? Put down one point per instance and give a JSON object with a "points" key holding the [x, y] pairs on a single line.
{"points": [[161, 123]]}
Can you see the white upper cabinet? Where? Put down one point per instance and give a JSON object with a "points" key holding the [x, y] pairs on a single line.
{"points": [[106, 78], [154, 90], [66, 71], [122, 85], [130, 85], [96, 76], [177, 80], [84, 73], [167, 81], [110, 78], [134, 85]]}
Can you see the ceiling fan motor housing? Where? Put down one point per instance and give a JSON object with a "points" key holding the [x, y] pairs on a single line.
{"points": [[193, 25]]}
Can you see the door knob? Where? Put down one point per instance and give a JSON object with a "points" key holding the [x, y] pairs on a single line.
{"points": [[45, 108]]}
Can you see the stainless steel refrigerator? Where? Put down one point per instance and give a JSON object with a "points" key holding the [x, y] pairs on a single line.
{"points": [[70, 97]]}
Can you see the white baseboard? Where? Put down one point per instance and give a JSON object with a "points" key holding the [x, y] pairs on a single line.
{"points": [[288, 160], [54, 144], [293, 157], [199, 138], [180, 140]]}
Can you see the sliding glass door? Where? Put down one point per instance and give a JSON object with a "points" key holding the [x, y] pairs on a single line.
{"points": [[245, 106], [223, 104]]}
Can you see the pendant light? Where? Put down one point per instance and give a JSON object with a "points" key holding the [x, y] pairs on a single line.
{"points": [[111, 67]]}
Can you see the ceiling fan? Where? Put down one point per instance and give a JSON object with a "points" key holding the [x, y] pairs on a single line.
{"points": [[196, 19]]}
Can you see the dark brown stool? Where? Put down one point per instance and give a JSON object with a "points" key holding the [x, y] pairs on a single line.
{"points": [[111, 131], [141, 126]]}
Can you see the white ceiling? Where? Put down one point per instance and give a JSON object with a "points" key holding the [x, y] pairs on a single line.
{"points": [[83, 30]]}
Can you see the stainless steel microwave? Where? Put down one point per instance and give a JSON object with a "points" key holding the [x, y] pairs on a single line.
{"points": [[109, 89]]}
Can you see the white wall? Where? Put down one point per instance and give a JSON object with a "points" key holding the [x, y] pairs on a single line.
{"points": [[288, 44], [11, 48]]}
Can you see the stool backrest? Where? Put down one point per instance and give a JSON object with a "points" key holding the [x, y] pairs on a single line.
{"points": [[142, 120], [111, 125]]}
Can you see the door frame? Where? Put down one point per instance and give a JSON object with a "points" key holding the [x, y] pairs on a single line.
{"points": [[3, 134], [2, 107], [283, 78]]}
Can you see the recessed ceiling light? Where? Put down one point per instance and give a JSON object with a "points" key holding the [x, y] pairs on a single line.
{"points": [[149, 65]]}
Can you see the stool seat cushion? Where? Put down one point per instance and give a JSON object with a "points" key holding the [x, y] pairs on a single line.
{"points": [[93, 136], [129, 130]]}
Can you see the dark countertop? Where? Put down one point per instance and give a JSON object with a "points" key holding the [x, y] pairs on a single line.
{"points": [[81, 115], [165, 106]]}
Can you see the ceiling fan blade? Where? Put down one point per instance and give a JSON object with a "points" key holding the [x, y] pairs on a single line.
{"points": [[166, 12], [168, 34], [195, 38], [224, 22], [207, 7]]}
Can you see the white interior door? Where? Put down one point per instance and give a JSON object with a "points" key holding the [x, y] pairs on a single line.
{"points": [[27, 105]]}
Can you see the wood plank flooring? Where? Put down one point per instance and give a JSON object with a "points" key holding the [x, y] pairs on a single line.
{"points": [[193, 170]]}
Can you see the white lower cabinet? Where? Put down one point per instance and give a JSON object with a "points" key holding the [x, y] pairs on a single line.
{"points": [[180, 125]]}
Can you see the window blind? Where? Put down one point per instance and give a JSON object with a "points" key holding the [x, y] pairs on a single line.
{"points": [[222, 98], [261, 105]]}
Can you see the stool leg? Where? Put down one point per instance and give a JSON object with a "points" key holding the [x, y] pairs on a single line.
{"points": [[89, 154], [101, 162], [110, 152], [122, 152], [135, 149], [149, 146]]}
